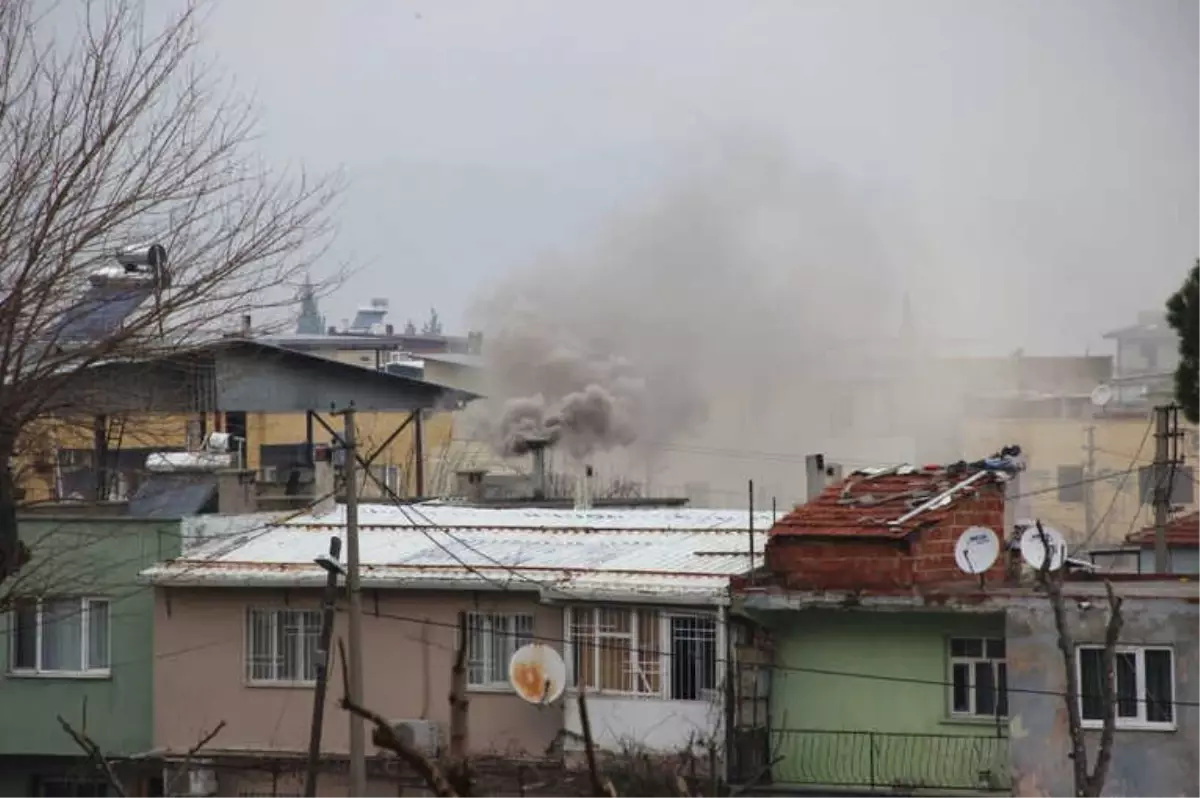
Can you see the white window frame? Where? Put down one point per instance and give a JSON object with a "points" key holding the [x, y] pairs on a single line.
{"points": [[661, 662], [1139, 676], [522, 624], [310, 614], [971, 662], [87, 672]]}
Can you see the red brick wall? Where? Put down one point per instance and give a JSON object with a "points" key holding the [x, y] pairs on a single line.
{"points": [[850, 563]]}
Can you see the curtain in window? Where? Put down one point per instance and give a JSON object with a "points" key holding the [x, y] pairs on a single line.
{"points": [[62, 635], [97, 614]]}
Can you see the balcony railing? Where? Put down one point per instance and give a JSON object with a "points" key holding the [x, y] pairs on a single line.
{"points": [[883, 761]]}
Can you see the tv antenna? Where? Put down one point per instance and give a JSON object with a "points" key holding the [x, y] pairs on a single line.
{"points": [[1033, 548], [976, 551], [538, 674]]}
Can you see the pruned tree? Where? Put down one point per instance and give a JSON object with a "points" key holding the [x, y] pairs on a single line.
{"points": [[1087, 782], [113, 131], [1183, 314]]}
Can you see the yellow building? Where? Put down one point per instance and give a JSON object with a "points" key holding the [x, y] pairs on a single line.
{"points": [[273, 383], [1089, 472]]}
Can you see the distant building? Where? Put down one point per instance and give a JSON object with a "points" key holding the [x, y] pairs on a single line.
{"points": [[1147, 355]]}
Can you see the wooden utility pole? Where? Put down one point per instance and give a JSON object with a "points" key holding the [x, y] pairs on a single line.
{"points": [[332, 569], [358, 757], [1089, 480], [1165, 420], [458, 694]]}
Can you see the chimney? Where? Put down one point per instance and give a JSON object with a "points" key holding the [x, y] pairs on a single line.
{"points": [[818, 474], [324, 482], [470, 484], [583, 494], [246, 325], [389, 329], [236, 492], [539, 471]]}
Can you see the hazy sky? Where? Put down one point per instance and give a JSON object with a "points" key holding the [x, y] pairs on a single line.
{"points": [[1043, 152]]}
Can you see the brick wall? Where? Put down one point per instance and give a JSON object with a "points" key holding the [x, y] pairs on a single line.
{"points": [[849, 562]]}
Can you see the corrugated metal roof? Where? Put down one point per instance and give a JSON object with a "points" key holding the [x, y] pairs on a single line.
{"points": [[670, 554], [460, 516]]}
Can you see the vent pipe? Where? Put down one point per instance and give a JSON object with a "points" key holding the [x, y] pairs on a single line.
{"points": [[583, 493]]}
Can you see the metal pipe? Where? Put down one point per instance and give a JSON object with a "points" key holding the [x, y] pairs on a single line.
{"points": [[941, 497]]}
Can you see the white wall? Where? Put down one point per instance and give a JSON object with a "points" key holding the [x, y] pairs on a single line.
{"points": [[650, 722]]}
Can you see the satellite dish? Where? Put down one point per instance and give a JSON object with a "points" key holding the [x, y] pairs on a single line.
{"points": [[976, 550], [1101, 395], [1033, 550], [538, 673]]}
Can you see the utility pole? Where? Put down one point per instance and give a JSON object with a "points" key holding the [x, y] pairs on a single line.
{"points": [[1089, 480], [419, 447], [1164, 434], [333, 569], [358, 759]]}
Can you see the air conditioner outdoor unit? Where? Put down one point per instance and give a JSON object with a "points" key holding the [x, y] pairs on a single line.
{"points": [[198, 782], [420, 734]]}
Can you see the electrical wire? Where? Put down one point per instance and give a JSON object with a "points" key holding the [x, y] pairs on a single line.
{"points": [[621, 647], [1120, 489]]}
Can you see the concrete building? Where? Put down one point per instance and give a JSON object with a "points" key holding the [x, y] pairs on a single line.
{"points": [[889, 668], [634, 599]]}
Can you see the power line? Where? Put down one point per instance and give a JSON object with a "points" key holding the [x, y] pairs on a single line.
{"points": [[1120, 489], [604, 645]]}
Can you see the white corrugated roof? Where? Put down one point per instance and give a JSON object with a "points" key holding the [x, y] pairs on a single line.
{"points": [[667, 554]]}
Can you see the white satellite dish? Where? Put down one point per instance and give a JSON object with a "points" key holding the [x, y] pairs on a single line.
{"points": [[976, 550], [538, 674], [1033, 549], [1101, 395]]}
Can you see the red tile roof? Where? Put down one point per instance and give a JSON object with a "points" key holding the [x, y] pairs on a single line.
{"points": [[1181, 531], [868, 503]]}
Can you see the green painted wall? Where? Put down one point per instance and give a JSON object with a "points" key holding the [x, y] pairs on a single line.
{"points": [[913, 740], [95, 557]]}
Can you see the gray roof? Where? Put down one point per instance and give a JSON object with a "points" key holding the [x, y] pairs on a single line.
{"points": [[239, 374]]}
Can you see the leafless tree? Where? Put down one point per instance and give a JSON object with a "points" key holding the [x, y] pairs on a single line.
{"points": [[112, 131], [1086, 783]]}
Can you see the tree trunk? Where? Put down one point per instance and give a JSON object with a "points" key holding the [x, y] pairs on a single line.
{"points": [[12, 553]]}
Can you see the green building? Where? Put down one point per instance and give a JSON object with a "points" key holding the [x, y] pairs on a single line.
{"points": [[78, 630]]}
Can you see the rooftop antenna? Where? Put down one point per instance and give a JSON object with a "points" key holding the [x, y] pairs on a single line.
{"points": [[976, 551]]}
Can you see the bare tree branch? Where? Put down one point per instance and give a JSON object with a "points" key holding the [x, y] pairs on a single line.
{"points": [[385, 737], [187, 760], [113, 133], [94, 753], [1086, 784]]}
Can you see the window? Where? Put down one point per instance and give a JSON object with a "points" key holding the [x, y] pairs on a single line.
{"points": [[60, 636], [1145, 687], [643, 652], [281, 645], [979, 677], [693, 657], [69, 788], [1070, 484], [492, 639]]}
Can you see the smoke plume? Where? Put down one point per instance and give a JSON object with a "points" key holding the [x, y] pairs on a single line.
{"points": [[752, 307]]}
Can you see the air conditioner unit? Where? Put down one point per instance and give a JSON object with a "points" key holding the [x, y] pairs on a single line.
{"points": [[197, 782], [420, 734]]}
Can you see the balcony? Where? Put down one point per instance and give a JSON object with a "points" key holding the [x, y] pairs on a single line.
{"points": [[884, 762]]}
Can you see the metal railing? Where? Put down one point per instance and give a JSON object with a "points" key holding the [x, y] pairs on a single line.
{"points": [[878, 760]]}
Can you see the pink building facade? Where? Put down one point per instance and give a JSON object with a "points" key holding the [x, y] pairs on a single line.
{"points": [[635, 606]]}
